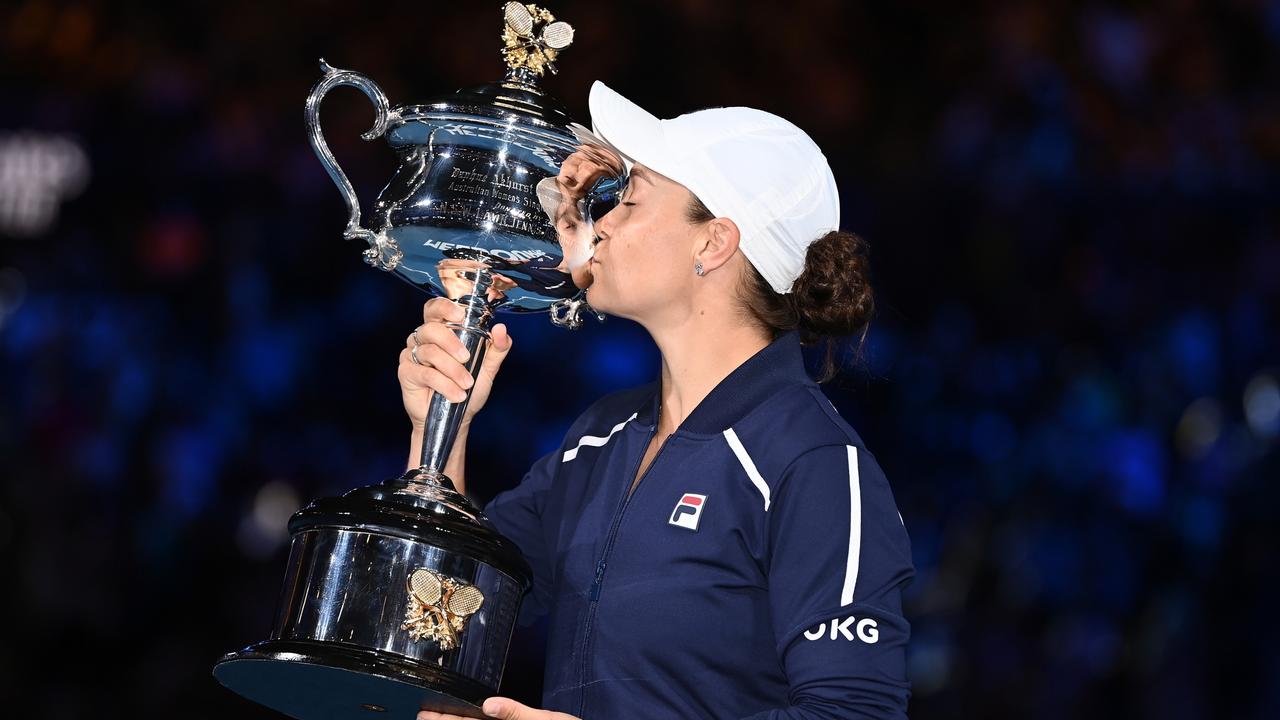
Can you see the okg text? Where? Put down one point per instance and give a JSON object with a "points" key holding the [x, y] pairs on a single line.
{"points": [[866, 630]]}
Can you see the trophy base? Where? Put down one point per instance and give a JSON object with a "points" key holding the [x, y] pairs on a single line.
{"points": [[326, 681]]}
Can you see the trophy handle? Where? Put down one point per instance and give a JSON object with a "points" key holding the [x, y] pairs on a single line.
{"points": [[383, 253], [567, 312]]}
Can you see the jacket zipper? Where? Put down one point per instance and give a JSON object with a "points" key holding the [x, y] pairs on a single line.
{"points": [[608, 546]]}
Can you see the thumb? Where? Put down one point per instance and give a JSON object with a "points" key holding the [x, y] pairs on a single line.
{"points": [[501, 338], [508, 709], [499, 345]]}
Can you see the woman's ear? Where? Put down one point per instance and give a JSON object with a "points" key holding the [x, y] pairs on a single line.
{"points": [[717, 242]]}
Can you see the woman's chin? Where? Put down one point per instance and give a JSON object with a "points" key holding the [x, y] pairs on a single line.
{"points": [[598, 299]]}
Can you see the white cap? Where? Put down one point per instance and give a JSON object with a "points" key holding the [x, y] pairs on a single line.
{"points": [[750, 166]]}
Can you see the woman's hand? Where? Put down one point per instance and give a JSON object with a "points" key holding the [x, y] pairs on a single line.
{"points": [[442, 355], [578, 173], [505, 709], [583, 168]]}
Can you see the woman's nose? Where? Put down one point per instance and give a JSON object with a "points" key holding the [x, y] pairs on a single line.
{"points": [[603, 227]]}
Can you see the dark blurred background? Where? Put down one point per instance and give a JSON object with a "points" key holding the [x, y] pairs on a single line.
{"points": [[1072, 382]]}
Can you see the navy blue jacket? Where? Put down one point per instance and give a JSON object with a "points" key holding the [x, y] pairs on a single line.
{"points": [[756, 570]]}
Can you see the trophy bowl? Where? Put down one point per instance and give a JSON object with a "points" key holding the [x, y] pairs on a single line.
{"points": [[465, 194], [401, 596]]}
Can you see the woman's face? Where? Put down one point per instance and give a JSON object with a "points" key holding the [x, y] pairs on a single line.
{"points": [[644, 250]]}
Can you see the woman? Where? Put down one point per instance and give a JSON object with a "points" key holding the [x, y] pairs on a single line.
{"points": [[718, 543]]}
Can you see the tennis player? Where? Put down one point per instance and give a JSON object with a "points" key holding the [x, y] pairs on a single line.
{"points": [[718, 543]]}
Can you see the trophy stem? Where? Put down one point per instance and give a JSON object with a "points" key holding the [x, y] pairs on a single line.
{"points": [[444, 418]]}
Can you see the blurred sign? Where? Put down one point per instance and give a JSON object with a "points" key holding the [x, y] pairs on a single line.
{"points": [[37, 173]]}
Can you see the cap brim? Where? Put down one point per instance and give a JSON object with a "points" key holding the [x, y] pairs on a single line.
{"points": [[633, 131]]}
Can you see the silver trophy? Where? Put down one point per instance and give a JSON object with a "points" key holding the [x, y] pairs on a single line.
{"points": [[400, 596]]}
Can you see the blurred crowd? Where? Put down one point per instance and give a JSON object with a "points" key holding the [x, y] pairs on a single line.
{"points": [[1073, 381]]}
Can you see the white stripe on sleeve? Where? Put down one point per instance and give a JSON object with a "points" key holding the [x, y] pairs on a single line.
{"points": [[736, 445], [855, 530], [594, 440]]}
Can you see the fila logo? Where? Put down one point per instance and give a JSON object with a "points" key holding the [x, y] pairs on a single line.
{"points": [[865, 628], [687, 511]]}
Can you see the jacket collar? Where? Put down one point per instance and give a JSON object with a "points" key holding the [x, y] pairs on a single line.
{"points": [[775, 366]]}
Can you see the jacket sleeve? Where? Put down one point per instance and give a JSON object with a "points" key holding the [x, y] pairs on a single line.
{"points": [[517, 514], [839, 557]]}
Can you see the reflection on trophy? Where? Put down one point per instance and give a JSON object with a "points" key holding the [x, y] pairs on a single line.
{"points": [[399, 596]]}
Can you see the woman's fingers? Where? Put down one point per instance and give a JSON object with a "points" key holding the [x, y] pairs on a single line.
{"points": [[570, 175], [435, 356], [438, 334], [429, 377], [577, 174]]}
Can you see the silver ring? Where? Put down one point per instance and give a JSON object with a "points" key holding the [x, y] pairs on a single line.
{"points": [[413, 355], [414, 335]]}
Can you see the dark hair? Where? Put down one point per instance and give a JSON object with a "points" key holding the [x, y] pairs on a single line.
{"points": [[831, 300]]}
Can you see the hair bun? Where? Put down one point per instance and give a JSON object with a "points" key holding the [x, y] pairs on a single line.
{"points": [[833, 296]]}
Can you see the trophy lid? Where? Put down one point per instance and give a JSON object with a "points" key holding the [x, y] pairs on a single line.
{"points": [[532, 39], [517, 96]]}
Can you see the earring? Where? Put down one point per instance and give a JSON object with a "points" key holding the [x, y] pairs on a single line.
{"points": [[697, 268]]}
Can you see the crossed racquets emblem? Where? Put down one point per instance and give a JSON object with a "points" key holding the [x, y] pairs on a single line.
{"points": [[439, 607], [533, 37]]}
